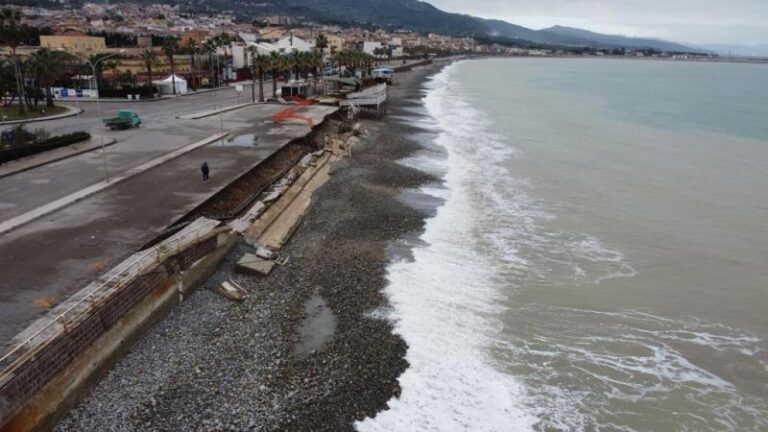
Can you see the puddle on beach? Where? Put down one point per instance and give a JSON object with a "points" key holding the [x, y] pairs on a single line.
{"points": [[245, 140], [317, 328]]}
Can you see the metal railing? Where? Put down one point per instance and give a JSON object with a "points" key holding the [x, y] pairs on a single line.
{"points": [[160, 251]]}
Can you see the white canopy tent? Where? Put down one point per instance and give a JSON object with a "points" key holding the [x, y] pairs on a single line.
{"points": [[165, 85]]}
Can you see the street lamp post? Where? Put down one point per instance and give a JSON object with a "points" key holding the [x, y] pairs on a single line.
{"points": [[98, 104]]}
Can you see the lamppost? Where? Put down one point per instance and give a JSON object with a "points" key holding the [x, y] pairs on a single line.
{"points": [[93, 64]]}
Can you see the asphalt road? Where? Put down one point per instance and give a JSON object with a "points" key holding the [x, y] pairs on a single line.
{"points": [[160, 133]]}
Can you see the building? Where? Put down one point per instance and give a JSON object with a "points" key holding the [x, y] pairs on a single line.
{"points": [[270, 34], [293, 43], [199, 36], [335, 43], [371, 47], [144, 41], [74, 41]]}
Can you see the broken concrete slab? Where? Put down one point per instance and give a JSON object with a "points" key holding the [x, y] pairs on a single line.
{"points": [[252, 264], [232, 291]]}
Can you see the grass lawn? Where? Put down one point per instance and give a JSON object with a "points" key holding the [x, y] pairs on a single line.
{"points": [[13, 113]]}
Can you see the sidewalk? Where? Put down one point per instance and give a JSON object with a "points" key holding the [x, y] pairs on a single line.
{"points": [[60, 203], [71, 112], [164, 97], [55, 155], [202, 114]]}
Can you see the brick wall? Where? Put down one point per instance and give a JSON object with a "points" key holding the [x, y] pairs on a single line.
{"points": [[37, 370]]}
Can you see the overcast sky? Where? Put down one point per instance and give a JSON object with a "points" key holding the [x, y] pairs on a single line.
{"points": [[693, 21]]}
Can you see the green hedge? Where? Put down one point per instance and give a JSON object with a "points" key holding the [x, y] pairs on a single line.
{"points": [[49, 144]]}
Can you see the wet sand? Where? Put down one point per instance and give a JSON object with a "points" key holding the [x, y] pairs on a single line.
{"points": [[305, 351]]}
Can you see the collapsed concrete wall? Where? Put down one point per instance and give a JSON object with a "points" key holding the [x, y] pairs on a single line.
{"points": [[51, 361]]}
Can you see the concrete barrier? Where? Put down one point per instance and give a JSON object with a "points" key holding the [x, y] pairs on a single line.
{"points": [[60, 356]]}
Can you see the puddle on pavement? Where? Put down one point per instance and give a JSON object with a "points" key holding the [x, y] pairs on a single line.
{"points": [[317, 328], [245, 140]]}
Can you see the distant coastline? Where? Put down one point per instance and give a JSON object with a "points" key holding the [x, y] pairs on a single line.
{"points": [[693, 59]]}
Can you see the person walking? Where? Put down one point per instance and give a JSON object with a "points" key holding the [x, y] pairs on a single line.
{"points": [[205, 171]]}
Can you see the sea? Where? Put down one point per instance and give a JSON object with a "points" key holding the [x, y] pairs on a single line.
{"points": [[599, 257]]}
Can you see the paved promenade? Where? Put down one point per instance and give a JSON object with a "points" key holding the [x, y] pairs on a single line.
{"points": [[49, 257]]}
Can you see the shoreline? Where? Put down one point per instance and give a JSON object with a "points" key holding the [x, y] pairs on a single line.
{"points": [[217, 365]]}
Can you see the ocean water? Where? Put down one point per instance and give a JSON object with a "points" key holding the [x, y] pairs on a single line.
{"points": [[599, 261]]}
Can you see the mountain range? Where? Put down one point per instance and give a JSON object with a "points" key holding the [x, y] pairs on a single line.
{"points": [[422, 16]]}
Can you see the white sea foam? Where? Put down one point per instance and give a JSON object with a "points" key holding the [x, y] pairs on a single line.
{"points": [[443, 302]]}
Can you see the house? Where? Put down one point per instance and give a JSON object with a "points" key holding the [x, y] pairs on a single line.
{"points": [[371, 47], [199, 36], [335, 43], [396, 45], [271, 34], [73, 41], [292, 43]]}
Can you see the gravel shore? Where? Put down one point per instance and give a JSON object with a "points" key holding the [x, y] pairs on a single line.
{"points": [[213, 364]]}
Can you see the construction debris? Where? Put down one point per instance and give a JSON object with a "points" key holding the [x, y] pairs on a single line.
{"points": [[252, 264], [232, 291]]}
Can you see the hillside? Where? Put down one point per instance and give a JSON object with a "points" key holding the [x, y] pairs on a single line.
{"points": [[412, 15], [616, 40]]}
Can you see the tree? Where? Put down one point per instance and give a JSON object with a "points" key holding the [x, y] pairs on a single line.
{"points": [[210, 46], [192, 48], [150, 60], [315, 62], [170, 47], [7, 78], [99, 60], [321, 42], [277, 64], [378, 52], [259, 66], [46, 66], [12, 33]]}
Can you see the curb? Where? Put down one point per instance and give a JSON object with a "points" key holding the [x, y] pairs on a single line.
{"points": [[71, 112], [82, 194], [204, 114], [107, 143]]}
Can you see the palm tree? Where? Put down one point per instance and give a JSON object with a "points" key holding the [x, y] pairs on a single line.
{"points": [[12, 33], [378, 52], [224, 41], [277, 64], [321, 42], [150, 59], [46, 66], [170, 47], [210, 46], [339, 60], [259, 65], [192, 47], [315, 62], [7, 77], [295, 62]]}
